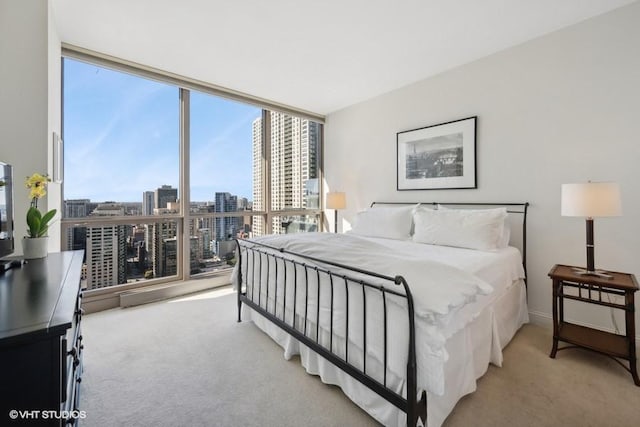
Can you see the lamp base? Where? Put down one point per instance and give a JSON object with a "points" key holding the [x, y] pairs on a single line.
{"points": [[598, 273]]}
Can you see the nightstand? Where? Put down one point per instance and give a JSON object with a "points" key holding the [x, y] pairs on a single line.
{"points": [[591, 289]]}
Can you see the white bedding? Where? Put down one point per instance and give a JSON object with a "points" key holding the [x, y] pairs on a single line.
{"points": [[500, 269], [433, 300], [452, 296]]}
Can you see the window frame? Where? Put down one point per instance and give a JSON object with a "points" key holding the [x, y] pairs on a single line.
{"points": [[185, 87]]}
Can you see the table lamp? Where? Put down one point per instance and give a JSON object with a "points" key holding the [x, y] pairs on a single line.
{"points": [[591, 200], [336, 201]]}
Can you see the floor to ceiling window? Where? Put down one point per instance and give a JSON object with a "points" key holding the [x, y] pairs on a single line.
{"points": [[160, 180], [122, 145], [294, 169], [221, 177]]}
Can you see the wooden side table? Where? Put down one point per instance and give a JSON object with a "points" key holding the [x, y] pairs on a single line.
{"points": [[590, 289]]}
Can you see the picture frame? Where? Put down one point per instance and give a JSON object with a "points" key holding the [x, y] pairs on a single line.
{"points": [[438, 157]]}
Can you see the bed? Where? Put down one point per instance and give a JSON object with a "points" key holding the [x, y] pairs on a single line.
{"points": [[399, 313]]}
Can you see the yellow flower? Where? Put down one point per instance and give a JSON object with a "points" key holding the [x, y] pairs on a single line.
{"points": [[37, 192], [37, 224], [37, 183]]}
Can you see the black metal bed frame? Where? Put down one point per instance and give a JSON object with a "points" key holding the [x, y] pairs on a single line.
{"points": [[260, 257]]}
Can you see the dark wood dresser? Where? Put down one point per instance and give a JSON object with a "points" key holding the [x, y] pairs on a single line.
{"points": [[41, 341]]}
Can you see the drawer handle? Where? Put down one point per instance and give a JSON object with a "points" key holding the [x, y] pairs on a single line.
{"points": [[72, 352]]}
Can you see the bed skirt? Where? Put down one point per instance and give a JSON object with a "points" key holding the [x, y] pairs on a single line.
{"points": [[470, 350]]}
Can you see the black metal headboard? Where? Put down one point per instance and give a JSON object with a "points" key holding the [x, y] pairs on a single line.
{"points": [[512, 208]]}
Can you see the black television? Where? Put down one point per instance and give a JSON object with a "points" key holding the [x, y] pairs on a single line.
{"points": [[6, 210]]}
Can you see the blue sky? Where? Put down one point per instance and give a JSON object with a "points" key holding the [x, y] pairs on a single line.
{"points": [[121, 138]]}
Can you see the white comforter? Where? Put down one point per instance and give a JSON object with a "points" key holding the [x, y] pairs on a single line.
{"points": [[439, 291]]}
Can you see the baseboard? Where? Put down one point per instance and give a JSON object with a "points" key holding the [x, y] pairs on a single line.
{"points": [[541, 319], [169, 290], [93, 304]]}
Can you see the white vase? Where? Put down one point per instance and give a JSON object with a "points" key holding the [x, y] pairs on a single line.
{"points": [[35, 247]]}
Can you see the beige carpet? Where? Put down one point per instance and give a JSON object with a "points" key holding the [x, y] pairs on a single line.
{"points": [[187, 362]]}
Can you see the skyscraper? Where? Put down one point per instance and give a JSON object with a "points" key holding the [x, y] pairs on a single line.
{"points": [[226, 227], [294, 166], [106, 250], [163, 258], [203, 228], [77, 208], [148, 202], [258, 182], [77, 236], [163, 195]]}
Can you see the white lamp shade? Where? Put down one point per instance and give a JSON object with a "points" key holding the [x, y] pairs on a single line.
{"points": [[336, 200], [591, 199]]}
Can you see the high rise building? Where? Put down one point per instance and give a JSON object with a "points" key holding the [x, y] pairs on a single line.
{"points": [[163, 195], [258, 182], [77, 236], [243, 204], [163, 259], [136, 243], [106, 251], [226, 227], [202, 228], [77, 208], [205, 239], [148, 202], [169, 264], [294, 166]]}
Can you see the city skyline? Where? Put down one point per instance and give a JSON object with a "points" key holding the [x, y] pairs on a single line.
{"points": [[122, 159]]}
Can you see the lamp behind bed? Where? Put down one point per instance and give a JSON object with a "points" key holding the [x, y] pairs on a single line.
{"points": [[336, 201]]}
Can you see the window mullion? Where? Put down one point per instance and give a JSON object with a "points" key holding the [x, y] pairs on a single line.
{"points": [[266, 158], [184, 250]]}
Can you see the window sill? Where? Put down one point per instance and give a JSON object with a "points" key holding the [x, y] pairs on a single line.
{"points": [[152, 293]]}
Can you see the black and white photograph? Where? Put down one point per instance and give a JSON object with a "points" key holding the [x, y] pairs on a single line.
{"points": [[438, 157]]}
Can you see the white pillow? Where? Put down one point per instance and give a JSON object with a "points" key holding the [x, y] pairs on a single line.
{"points": [[386, 222], [465, 228], [506, 230], [506, 236]]}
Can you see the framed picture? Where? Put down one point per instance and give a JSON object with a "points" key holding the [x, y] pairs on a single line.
{"points": [[441, 156]]}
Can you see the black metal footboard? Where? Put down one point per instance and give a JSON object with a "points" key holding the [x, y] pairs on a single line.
{"points": [[260, 270]]}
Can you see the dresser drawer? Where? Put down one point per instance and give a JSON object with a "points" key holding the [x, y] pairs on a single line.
{"points": [[71, 402], [71, 368]]}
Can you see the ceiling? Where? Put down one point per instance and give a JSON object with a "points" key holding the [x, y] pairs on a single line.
{"points": [[319, 56]]}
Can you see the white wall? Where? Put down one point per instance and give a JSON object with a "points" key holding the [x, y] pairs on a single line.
{"points": [[29, 100], [562, 108]]}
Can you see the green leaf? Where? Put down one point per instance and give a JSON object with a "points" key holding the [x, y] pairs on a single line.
{"points": [[34, 218], [47, 217], [38, 224], [43, 231]]}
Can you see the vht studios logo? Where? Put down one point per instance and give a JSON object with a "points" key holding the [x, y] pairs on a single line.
{"points": [[36, 414]]}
